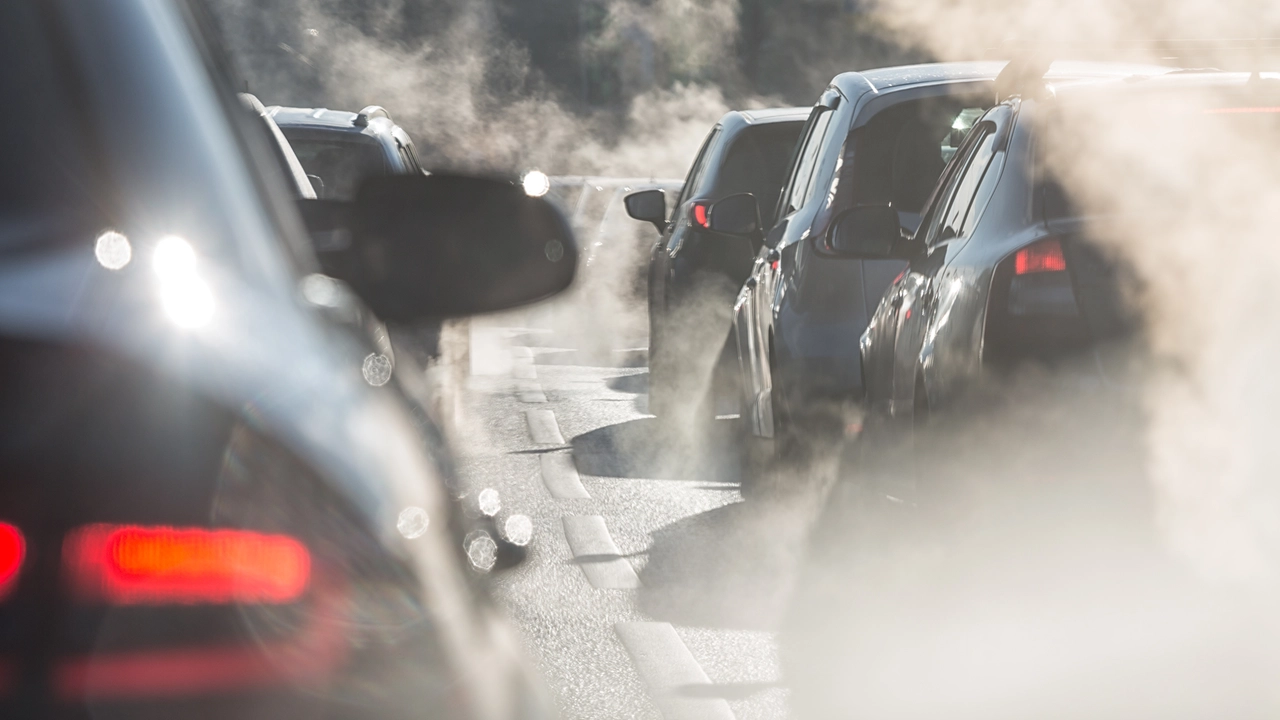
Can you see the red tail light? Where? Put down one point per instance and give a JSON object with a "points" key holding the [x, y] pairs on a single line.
{"points": [[128, 565], [13, 550], [1040, 257], [701, 215]]}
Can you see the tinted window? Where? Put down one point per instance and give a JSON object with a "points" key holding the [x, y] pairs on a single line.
{"points": [[696, 171], [342, 163], [757, 162], [970, 179], [935, 211], [899, 155], [802, 181], [45, 168]]}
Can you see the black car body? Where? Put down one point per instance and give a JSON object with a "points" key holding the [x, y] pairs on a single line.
{"points": [[343, 148], [878, 137], [694, 273], [217, 500]]}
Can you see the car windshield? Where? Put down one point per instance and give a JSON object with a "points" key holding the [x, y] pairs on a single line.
{"points": [[341, 162]]}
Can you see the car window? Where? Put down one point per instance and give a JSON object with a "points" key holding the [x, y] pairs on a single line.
{"points": [[46, 162], [802, 179], [756, 162], [341, 163], [696, 171], [899, 154], [939, 201], [969, 179]]}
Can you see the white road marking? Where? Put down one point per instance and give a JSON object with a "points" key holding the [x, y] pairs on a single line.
{"points": [[543, 427], [600, 559], [530, 391], [667, 667], [561, 477]]}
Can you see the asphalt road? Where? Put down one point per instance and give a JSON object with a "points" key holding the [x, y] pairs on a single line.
{"points": [[652, 589]]}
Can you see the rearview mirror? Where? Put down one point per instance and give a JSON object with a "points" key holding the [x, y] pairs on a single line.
{"points": [[866, 231], [445, 245], [648, 206], [735, 215]]}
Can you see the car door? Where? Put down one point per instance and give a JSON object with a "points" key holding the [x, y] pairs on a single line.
{"points": [[753, 315], [916, 296]]}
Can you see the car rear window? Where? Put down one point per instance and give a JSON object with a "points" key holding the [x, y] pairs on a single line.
{"points": [[757, 162], [341, 163]]}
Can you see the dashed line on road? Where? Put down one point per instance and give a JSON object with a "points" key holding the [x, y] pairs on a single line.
{"points": [[595, 552], [543, 427], [667, 667], [561, 477], [530, 391]]}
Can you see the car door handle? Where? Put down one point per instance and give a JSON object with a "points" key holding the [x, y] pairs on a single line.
{"points": [[751, 282]]}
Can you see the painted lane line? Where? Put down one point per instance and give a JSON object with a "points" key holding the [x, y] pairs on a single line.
{"points": [[543, 427], [561, 477], [600, 559], [530, 391], [667, 667]]}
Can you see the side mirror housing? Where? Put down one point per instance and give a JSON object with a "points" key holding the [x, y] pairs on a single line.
{"points": [[648, 206], [867, 231], [735, 215], [438, 246]]}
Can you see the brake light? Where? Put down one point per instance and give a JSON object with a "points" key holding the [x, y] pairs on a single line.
{"points": [[13, 550], [701, 213], [130, 565], [1040, 257]]}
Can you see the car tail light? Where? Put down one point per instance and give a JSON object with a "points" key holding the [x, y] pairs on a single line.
{"points": [[700, 214], [1043, 256], [129, 565], [13, 550]]}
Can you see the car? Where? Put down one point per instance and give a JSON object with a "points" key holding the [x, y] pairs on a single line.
{"points": [[694, 274], [875, 137], [342, 148], [218, 501], [1011, 483]]}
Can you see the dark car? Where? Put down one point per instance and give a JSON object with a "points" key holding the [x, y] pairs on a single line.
{"points": [[343, 148], [878, 137], [1011, 492], [217, 501], [694, 273]]}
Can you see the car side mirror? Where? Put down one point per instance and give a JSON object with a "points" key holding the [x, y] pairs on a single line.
{"points": [[736, 215], [648, 206], [867, 231], [438, 246]]}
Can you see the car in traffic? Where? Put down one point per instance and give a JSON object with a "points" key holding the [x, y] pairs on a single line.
{"points": [[1007, 467], [877, 137], [693, 273], [342, 148], [218, 500]]}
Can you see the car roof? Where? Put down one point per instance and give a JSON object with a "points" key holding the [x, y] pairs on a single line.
{"points": [[329, 120], [904, 76], [762, 116]]}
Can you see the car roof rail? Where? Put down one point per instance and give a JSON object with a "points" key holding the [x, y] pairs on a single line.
{"points": [[369, 113]]}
